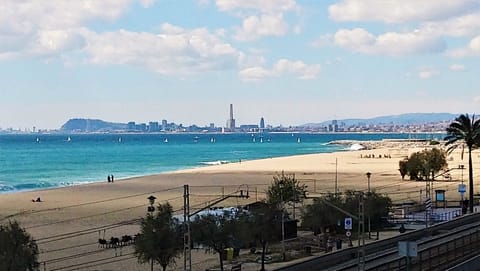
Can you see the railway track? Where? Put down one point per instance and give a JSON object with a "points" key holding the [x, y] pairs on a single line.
{"points": [[439, 246]]}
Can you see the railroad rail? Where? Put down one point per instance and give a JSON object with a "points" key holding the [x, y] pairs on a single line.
{"points": [[444, 243]]}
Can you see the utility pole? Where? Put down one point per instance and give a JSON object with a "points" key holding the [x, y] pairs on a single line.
{"points": [[336, 177], [428, 201], [361, 232], [187, 250], [368, 207]]}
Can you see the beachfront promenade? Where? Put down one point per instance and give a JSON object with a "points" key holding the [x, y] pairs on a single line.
{"points": [[69, 221]]}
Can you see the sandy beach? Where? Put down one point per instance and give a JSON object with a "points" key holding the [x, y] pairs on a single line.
{"points": [[69, 221]]}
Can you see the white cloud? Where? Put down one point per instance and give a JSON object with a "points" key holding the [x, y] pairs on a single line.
{"points": [[473, 49], [175, 51], [147, 3], [49, 28], [457, 67], [254, 74], [426, 73], [461, 26], [255, 27], [27, 16], [394, 11], [282, 67], [264, 6], [391, 43], [260, 18], [298, 68]]}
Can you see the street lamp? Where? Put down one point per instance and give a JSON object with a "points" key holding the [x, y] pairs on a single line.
{"points": [[368, 177], [151, 209], [368, 207], [283, 223], [151, 200]]}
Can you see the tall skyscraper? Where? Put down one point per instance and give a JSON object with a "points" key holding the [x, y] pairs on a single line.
{"points": [[262, 123], [231, 120]]}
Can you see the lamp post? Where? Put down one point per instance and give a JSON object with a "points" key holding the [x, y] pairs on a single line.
{"points": [[368, 177], [368, 207], [283, 223], [151, 209], [462, 167]]}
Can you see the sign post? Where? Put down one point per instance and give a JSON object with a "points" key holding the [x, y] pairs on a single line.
{"points": [[348, 227], [348, 223], [408, 249]]}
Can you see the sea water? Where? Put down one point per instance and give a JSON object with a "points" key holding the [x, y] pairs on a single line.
{"points": [[31, 162]]}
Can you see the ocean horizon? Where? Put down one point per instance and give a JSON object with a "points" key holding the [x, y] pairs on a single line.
{"points": [[41, 161]]}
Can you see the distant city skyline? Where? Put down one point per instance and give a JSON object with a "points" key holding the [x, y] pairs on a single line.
{"points": [[289, 61]]}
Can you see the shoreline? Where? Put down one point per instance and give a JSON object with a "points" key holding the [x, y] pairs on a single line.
{"points": [[83, 213], [369, 145]]}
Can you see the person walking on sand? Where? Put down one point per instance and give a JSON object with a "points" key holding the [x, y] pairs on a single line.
{"points": [[111, 178], [108, 178]]}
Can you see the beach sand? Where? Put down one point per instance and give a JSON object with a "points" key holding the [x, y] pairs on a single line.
{"points": [[69, 221]]}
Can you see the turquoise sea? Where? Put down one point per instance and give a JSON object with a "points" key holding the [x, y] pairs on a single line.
{"points": [[30, 162]]}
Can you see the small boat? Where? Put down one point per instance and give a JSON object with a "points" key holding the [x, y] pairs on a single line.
{"points": [[212, 140], [261, 139], [195, 139], [120, 140], [37, 140], [253, 140], [165, 140], [299, 140], [69, 139]]}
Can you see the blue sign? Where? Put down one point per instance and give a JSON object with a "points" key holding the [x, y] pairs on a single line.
{"points": [[348, 223]]}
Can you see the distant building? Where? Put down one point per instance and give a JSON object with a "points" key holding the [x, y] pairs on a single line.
{"points": [[131, 126], [153, 126], [142, 127], [249, 128], [231, 120], [164, 125], [333, 127], [262, 123]]}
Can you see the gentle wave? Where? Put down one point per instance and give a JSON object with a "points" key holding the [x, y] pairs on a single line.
{"points": [[213, 163]]}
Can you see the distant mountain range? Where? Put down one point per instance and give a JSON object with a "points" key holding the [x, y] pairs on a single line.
{"points": [[402, 119]]}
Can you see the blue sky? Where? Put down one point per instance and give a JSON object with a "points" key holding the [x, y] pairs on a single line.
{"points": [[289, 61]]}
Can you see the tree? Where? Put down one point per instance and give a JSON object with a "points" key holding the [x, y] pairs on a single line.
{"points": [[321, 215], [18, 250], [403, 167], [160, 238], [264, 225], [217, 232], [464, 131], [285, 188], [423, 165]]}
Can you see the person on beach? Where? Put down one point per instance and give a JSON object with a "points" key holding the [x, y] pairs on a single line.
{"points": [[111, 178], [108, 178]]}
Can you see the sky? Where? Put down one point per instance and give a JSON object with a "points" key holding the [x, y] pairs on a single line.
{"points": [[289, 61]]}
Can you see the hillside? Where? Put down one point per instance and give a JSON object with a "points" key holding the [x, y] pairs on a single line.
{"points": [[402, 119], [91, 125]]}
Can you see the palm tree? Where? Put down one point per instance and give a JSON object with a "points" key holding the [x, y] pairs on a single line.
{"points": [[465, 131]]}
